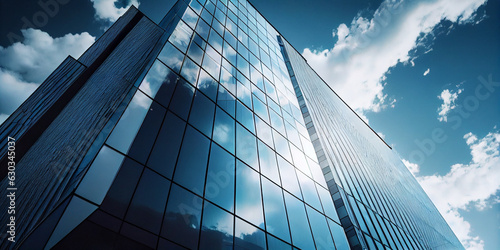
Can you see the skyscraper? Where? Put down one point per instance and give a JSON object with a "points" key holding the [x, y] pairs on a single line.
{"points": [[205, 131]]}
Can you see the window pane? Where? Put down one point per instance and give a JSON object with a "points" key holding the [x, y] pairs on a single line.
{"points": [[267, 160], [338, 235], [172, 57], [195, 53], [248, 204], [148, 203], [181, 223], [246, 147], [264, 131], [190, 71], [224, 130], [299, 226], [244, 94], [217, 228], [181, 36], [327, 202], [167, 145], [274, 210], [158, 75], [211, 67], [282, 146], [245, 117], [181, 101], [320, 230], [288, 177], [192, 165], [202, 114], [226, 101], [125, 131], [207, 85], [247, 236], [309, 191], [260, 109], [220, 178], [202, 29], [274, 243]]}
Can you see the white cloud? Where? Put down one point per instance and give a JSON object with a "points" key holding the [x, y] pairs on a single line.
{"points": [[107, 10], [427, 71], [23, 66], [381, 135], [413, 167], [359, 62], [466, 186], [448, 97]]}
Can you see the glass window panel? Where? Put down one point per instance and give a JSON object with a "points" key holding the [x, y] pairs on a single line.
{"points": [[267, 160], [203, 29], [202, 114], [206, 16], [338, 235], [221, 17], [277, 122], [211, 67], [248, 197], [210, 7], [226, 101], [288, 177], [309, 191], [316, 171], [246, 147], [264, 131], [165, 87], [215, 40], [282, 146], [260, 109], [167, 145], [224, 133], [148, 203], [327, 202], [196, 6], [320, 229], [245, 117], [243, 66], [244, 94], [100, 175], [228, 81], [299, 226], [274, 210], [216, 229], [190, 171], [299, 160], [181, 37], [229, 53], [126, 130], [190, 17], [308, 147], [220, 178], [229, 67], [247, 236], [181, 223], [231, 27], [274, 243], [292, 133], [143, 142], [270, 90], [258, 93], [195, 53], [230, 39], [123, 187], [158, 75], [181, 100], [207, 85], [190, 71]]}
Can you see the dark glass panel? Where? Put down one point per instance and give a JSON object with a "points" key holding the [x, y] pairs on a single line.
{"points": [[181, 101], [224, 133], [192, 164], [190, 71], [139, 235], [215, 40], [203, 29], [248, 195], [202, 114], [217, 228], [274, 243], [148, 203], [167, 145], [274, 210], [181, 36], [168, 245], [226, 101], [181, 223], [247, 236], [195, 53], [158, 75], [172, 57], [246, 147], [220, 178], [245, 117]]}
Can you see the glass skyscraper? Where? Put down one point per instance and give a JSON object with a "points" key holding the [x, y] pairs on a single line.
{"points": [[205, 131]]}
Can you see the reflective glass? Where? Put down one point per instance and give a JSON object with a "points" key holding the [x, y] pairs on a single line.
{"points": [[167, 145], [246, 147], [190, 17], [181, 100], [274, 243], [288, 177], [320, 229], [172, 57], [216, 228], [220, 178], [207, 85], [157, 76], [203, 29], [195, 53], [281, 145], [226, 101], [100, 176], [215, 40], [190, 71], [264, 131], [248, 197], [181, 36], [228, 81], [202, 114], [260, 109], [299, 226], [245, 117], [148, 203], [327, 202], [190, 171], [243, 66], [267, 160], [231, 40], [125, 131], [309, 191], [224, 130], [299, 160], [338, 235], [211, 67], [181, 223], [274, 210], [247, 236], [244, 94]]}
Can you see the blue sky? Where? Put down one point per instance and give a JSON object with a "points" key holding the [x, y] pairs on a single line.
{"points": [[424, 74]]}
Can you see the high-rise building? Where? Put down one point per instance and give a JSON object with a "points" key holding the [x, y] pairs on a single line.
{"points": [[205, 131]]}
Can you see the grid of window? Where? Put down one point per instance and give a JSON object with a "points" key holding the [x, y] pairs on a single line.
{"points": [[213, 147]]}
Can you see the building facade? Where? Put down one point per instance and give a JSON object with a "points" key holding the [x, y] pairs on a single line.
{"points": [[205, 131]]}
